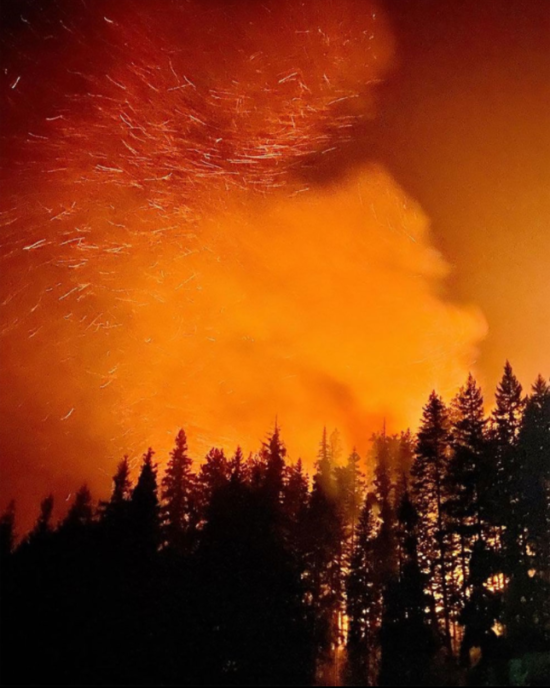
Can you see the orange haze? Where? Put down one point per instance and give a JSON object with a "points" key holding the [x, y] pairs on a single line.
{"points": [[166, 265]]}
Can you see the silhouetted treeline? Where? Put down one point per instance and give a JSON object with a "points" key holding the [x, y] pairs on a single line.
{"points": [[428, 563]]}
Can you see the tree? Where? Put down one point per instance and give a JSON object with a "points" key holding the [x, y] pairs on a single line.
{"points": [[382, 490], [350, 484], [406, 640], [534, 452], [145, 507], [470, 474], [43, 525], [178, 486], [81, 513], [483, 606], [323, 547], [273, 455], [527, 597], [428, 474], [324, 465], [122, 485], [363, 599], [295, 507], [505, 426]]}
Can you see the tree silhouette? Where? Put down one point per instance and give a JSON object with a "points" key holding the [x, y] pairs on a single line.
{"points": [[177, 496], [428, 474], [437, 571], [406, 640], [363, 600], [145, 507], [470, 474]]}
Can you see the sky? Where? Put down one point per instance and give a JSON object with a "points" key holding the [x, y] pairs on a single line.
{"points": [[215, 214]]}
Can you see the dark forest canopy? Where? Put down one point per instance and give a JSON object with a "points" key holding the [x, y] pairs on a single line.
{"points": [[433, 569]]}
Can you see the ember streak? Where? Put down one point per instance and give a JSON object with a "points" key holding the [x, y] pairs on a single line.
{"points": [[165, 257]]}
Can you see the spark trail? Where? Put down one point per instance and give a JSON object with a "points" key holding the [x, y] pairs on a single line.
{"points": [[166, 264]]}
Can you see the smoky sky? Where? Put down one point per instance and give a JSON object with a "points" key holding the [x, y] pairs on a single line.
{"points": [[463, 126], [426, 112]]}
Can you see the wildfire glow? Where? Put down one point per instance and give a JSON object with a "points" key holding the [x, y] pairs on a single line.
{"points": [[168, 260]]}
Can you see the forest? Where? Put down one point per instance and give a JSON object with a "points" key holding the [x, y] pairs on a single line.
{"points": [[426, 562]]}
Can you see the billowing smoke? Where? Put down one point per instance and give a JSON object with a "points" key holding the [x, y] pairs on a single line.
{"points": [[166, 265]]}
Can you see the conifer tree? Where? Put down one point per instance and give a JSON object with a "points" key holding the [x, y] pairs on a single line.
{"points": [[363, 601], [428, 474], [324, 465], [406, 640], [527, 597], [145, 507], [273, 455], [116, 510], [534, 451], [81, 512], [382, 490], [43, 524], [505, 426], [178, 484], [470, 474], [237, 467], [122, 486], [323, 571]]}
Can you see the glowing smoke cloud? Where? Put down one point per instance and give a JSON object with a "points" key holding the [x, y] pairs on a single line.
{"points": [[165, 266]]}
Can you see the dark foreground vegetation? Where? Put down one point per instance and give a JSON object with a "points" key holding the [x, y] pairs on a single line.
{"points": [[431, 568]]}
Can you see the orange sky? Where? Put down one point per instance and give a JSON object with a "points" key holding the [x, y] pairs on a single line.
{"points": [[206, 225]]}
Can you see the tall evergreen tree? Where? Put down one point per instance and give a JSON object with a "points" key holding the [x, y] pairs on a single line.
{"points": [[527, 608], [273, 455], [406, 640], [382, 489], [81, 511], [428, 474], [324, 465], [505, 426], [43, 525], [145, 507], [178, 485], [122, 485], [323, 571], [363, 600], [470, 474]]}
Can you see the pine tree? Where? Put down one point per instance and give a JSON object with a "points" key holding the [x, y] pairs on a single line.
{"points": [[483, 606], [470, 474], [178, 487], [534, 452], [505, 427], [428, 475], [323, 571], [81, 512], [349, 486], [527, 597], [406, 639], [122, 486], [296, 493], [363, 600], [43, 525], [403, 462], [145, 507], [116, 510], [215, 471], [382, 490], [273, 455], [237, 467], [324, 465]]}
